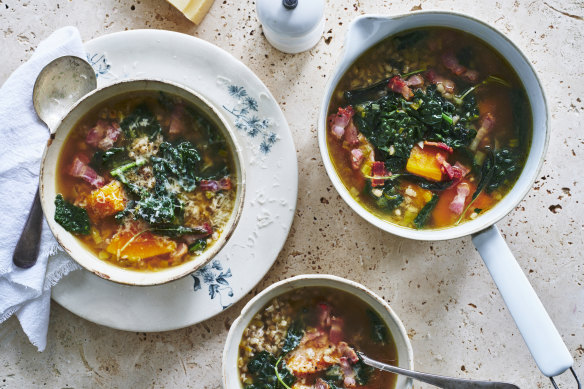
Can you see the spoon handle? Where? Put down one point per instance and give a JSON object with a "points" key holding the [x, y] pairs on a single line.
{"points": [[27, 249], [436, 380]]}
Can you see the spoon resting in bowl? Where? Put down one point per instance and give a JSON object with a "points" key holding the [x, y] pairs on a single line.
{"points": [[58, 86], [436, 380]]}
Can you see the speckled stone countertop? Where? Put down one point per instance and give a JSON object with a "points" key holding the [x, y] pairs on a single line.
{"points": [[454, 315]]}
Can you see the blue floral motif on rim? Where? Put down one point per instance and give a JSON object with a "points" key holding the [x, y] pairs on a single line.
{"points": [[247, 120], [99, 63], [214, 276]]}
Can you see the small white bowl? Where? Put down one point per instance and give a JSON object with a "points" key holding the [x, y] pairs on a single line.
{"points": [[73, 246], [405, 353]]}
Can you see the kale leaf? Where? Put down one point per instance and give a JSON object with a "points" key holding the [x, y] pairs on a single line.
{"points": [[176, 230], [389, 198], [262, 367], [422, 218], [108, 159], [74, 219], [469, 108], [435, 186], [389, 127], [379, 331], [394, 125], [158, 209], [141, 122], [362, 372], [199, 245], [178, 163], [436, 112], [369, 93], [333, 373], [293, 336], [506, 168]]}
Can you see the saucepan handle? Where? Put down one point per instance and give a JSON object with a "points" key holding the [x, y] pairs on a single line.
{"points": [[536, 327]]}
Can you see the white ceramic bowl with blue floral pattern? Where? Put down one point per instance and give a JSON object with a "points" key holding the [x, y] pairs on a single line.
{"points": [[73, 246]]}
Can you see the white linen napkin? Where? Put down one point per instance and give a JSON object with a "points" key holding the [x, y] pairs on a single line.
{"points": [[23, 136]]}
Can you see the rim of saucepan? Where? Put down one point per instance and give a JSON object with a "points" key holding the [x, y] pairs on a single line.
{"points": [[534, 90], [47, 182], [230, 370]]}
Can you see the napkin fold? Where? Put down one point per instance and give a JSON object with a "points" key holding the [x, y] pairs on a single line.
{"points": [[23, 136]]}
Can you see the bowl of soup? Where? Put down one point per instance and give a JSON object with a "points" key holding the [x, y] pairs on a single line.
{"points": [[433, 126], [142, 182], [305, 332]]}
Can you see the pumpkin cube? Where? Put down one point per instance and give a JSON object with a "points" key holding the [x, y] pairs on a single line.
{"points": [[139, 245], [423, 163], [106, 201]]}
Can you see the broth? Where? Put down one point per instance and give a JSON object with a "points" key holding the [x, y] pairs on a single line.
{"points": [[303, 314]]}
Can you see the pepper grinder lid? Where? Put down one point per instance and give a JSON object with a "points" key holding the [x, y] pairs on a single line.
{"points": [[291, 26]]}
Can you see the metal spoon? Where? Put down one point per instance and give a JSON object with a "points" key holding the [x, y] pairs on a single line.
{"points": [[58, 86], [436, 380]]}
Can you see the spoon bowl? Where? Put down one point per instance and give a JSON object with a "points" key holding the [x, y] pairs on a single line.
{"points": [[59, 85]]}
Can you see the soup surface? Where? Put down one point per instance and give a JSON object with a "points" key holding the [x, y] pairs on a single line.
{"points": [[145, 181], [310, 336], [429, 129]]}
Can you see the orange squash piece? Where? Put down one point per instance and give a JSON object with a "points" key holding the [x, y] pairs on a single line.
{"points": [[135, 245], [422, 162], [106, 201]]}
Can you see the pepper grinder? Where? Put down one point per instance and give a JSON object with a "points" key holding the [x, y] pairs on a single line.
{"points": [[291, 26]]}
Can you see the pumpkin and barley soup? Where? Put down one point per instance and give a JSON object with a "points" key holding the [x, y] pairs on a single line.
{"points": [[146, 181], [308, 338], [429, 128]]}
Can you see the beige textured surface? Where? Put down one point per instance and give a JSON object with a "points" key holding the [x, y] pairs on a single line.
{"points": [[454, 315]]}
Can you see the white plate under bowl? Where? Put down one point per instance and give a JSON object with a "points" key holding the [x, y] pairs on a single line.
{"points": [[269, 157]]}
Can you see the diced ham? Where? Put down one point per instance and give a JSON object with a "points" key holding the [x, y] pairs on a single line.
{"points": [[340, 120], [357, 157], [80, 168], [351, 134], [336, 330], [463, 169], [434, 78], [378, 170], [103, 135], [206, 230], [440, 145], [177, 120], [445, 166], [348, 352], [487, 123], [324, 315], [398, 85], [214, 185], [348, 373], [457, 204], [415, 81], [471, 76], [455, 173], [180, 252], [451, 63]]}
